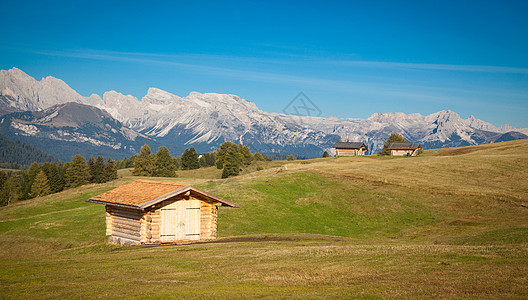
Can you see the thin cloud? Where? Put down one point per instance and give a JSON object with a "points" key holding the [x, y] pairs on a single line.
{"points": [[444, 67], [410, 90]]}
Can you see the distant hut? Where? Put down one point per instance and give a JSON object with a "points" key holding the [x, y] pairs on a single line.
{"points": [[150, 212], [350, 148], [404, 149]]}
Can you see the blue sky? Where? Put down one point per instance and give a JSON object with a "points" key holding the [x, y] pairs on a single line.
{"points": [[350, 57]]}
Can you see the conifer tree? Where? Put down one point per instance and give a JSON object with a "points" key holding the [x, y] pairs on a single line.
{"points": [[165, 166], [393, 138], [203, 162], [77, 172], [259, 156], [190, 159], [99, 174], [144, 163], [222, 152], [325, 154], [91, 168], [111, 170], [10, 190], [210, 159], [27, 180], [246, 154], [55, 178], [40, 185], [233, 159]]}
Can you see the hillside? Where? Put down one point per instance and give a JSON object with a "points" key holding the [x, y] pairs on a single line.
{"points": [[16, 152], [451, 223]]}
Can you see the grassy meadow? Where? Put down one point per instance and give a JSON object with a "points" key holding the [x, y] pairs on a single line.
{"points": [[451, 223]]}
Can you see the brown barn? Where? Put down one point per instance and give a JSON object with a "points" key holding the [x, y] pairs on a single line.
{"points": [[350, 148], [405, 149], [149, 212]]}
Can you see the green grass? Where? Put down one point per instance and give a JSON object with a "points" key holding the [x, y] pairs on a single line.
{"points": [[452, 223], [305, 202]]}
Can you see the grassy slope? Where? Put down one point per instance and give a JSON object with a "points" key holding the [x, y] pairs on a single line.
{"points": [[451, 223]]}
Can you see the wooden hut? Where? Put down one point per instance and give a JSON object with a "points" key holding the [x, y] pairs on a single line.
{"points": [[350, 148], [149, 212], [404, 149]]}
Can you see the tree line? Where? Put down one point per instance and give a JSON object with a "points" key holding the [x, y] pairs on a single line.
{"points": [[230, 157], [18, 155], [48, 178]]}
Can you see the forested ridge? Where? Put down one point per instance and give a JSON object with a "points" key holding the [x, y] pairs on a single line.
{"points": [[16, 153]]}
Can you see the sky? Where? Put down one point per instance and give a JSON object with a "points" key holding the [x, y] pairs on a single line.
{"points": [[351, 58]]}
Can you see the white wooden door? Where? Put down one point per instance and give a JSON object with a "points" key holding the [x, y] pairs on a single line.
{"points": [[192, 215], [180, 220]]}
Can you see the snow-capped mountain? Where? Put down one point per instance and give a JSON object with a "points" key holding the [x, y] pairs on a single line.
{"points": [[207, 120], [73, 128]]}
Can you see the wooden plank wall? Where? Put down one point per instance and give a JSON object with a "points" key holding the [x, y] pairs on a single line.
{"points": [[124, 224], [350, 152], [151, 224], [208, 214], [401, 152]]}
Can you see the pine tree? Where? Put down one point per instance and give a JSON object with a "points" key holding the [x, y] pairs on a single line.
{"points": [[77, 172], [210, 159], [246, 153], [27, 179], [55, 178], [99, 174], [203, 162], [190, 159], [10, 190], [393, 138], [91, 168], [259, 156], [111, 170], [144, 163], [325, 154], [165, 166], [233, 159], [221, 153], [40, 185]]}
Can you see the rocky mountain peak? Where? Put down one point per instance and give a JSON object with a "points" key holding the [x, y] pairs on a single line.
{"points": [[159, 97], [387, 117], [36, 95], [445, 116]]}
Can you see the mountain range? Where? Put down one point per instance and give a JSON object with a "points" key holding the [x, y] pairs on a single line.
{"points": [[51, 115]]}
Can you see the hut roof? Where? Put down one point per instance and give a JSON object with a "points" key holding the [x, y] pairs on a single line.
{"points": [[141, 194], [404, 146], [349, 145]]}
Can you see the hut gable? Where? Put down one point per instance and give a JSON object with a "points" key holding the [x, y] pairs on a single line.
{"points": [[350, 148], [146, 211]]}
